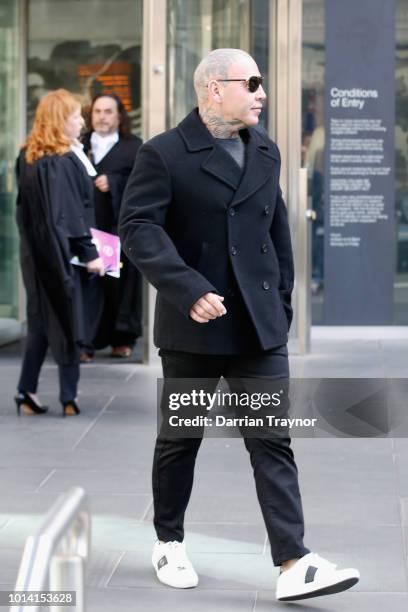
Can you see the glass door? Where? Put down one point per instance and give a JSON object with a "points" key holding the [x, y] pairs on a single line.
{"points": [[10, 99], [195, 28]]}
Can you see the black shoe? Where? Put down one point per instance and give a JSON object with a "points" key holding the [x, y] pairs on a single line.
{"points": [[70, 408], [28, 405]]}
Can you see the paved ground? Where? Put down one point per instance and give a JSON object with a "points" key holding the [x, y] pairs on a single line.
{"points": [[355, 492]]}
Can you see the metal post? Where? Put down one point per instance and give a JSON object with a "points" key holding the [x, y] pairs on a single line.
{"points": [[67, 574], [64, 535], [304, 264], [154, 122]]}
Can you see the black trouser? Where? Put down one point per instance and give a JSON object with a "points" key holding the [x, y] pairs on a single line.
{"points": [[36, 346], [272, 458]]}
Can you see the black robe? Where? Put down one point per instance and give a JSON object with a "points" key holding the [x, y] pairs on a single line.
{"points": [[54, 216], [122, 310]]}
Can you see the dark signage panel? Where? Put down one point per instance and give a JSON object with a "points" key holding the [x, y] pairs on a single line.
{"points": [[359, 162]]}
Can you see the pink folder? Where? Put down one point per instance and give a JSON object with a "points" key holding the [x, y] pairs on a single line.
{"points": [[108, 246]]}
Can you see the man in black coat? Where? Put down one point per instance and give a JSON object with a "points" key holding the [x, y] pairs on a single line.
{"points": [[112, 149], [203, 218]]}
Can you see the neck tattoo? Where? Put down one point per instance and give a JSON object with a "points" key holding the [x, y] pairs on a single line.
{"points": [[218, 127]]}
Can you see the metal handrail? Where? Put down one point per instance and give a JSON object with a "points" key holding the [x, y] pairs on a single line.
{"points": [[54, 558]]}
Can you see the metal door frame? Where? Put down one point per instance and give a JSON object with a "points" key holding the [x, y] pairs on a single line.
{"points": [[285, 110]]}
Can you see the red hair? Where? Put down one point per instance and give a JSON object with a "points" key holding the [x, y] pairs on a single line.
{"points": [[47, 136]]}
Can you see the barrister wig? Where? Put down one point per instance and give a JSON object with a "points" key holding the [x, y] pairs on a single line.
{"points": [[47, 136]]}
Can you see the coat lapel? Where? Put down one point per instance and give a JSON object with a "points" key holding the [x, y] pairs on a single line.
{"points": [[217, 163], [220, 165], [258, 167]]}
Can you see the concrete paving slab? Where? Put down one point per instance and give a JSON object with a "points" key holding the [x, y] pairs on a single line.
{"points": [[355, 492], [401, 458], [113, 505], [121, 534], [354, 474], [98, 481], [110, 434], [350, 601], [22, 503], [327, 508], [14, 480], [138, 458], [9, 564], [176, 600], [100, 568], [230, 497], [18, 528], [225, 538], [225, 454]]}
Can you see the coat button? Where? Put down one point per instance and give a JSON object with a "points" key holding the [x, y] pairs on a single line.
{"points": [[234, 250], [232, 212], [264, 248], [267, 209], [265, 285]]}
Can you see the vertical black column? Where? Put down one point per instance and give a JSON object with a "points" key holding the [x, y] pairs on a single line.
{"points": [[359, 162]]}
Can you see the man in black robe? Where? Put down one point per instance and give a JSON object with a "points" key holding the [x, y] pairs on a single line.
{"points": [[112, 149]]}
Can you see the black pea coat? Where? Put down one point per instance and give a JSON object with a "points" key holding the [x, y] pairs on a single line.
{"points": [[54, 215], [193, 223], [122, 307]]}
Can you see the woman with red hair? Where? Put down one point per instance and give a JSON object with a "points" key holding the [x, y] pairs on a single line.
{"points": [[54, 216]]}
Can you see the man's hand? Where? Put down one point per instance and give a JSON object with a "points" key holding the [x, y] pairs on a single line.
{"points": [[208, 307], [96, 267], [102, 183]]}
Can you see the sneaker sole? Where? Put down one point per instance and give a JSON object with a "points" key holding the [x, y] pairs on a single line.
{"points": [[329, 590]]}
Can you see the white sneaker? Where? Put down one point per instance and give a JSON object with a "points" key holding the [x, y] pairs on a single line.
{"points": [[313, 576], [173, 566]]}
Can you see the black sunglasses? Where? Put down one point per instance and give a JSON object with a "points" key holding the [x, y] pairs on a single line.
{"points": [[252, 83]]}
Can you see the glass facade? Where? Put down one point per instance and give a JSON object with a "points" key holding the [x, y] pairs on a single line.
{"points": [[87, 48], [313, 62], [401, 164], [95, 46], [10, 96], [194, 28], [313, 75]]}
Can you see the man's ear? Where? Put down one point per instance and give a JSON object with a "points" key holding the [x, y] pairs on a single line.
{"points": [[215, 91]]}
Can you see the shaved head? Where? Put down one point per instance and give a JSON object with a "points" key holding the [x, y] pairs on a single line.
{"points": [[225, 102], [215, 65]]}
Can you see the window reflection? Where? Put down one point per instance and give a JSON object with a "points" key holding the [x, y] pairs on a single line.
{"points": [[313, 65], [10, 97], [401, 163], [87, 48]]}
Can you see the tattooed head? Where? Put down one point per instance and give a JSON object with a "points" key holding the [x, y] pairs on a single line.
{"points": [[229, 92]]}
